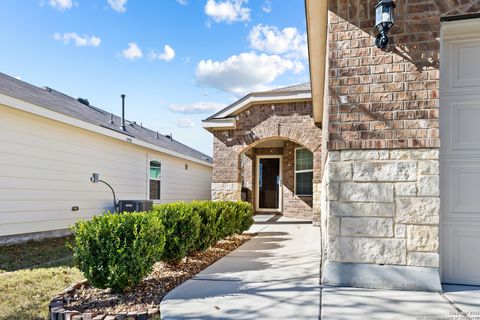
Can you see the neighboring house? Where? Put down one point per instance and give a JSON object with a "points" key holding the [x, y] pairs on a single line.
{"points": [[400, 161], [50, 144]]}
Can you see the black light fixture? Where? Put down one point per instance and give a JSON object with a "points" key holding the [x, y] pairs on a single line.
{"points": [[383, 21]]}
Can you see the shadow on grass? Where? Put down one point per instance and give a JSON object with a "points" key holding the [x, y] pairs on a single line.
{"points": [[38, 254], [31, 274]]}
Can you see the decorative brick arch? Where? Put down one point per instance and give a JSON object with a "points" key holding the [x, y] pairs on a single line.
{"points": [[312, 148]]}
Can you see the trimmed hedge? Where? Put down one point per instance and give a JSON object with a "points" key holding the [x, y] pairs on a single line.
{"points": [[208, 234], [198, 225], [118, 250], [182, 227]]}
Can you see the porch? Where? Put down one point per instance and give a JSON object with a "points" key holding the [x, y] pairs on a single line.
{"points": [[277, 177]]}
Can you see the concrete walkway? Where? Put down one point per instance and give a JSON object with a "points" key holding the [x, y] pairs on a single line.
{"points": [[457, 302], [276, 276], [273, 276]]}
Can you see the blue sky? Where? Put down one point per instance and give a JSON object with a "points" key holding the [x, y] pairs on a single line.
{"points": [[178, 61]]}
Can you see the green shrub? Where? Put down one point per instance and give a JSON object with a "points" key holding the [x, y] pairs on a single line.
{"points": [[244, 216], [208, 234], [226, 219], [182, 227], [233, 217], [118, 250]]}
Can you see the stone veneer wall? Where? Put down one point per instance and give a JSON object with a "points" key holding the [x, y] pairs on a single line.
{"points": [[382, 207]]}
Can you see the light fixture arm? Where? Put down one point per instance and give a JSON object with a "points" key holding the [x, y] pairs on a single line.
{"points": [[95, 178]]}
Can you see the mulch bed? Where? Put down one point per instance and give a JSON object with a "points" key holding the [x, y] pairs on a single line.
{"points": [[149, 293]]}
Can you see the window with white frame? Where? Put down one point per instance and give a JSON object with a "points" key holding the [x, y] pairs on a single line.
{"points": [[155, 179], [303, 172]]}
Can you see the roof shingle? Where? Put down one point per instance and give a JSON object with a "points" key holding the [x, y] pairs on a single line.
{"points": [[64, 104]]}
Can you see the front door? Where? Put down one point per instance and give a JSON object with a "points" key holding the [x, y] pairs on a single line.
{"points": [[269, 182], [460, 152]]}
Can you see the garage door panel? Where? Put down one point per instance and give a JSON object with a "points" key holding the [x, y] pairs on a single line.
{"points": [[464, 190], [465, 133], [460, 155], [464, 71], [460, 192], [459, 124], [464, 259]]}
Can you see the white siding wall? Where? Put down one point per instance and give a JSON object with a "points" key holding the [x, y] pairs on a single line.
{"points": [[45, 168]]}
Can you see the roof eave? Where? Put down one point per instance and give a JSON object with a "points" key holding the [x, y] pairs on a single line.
{"points": [[219, 124], [25, 106], [261, 97]]}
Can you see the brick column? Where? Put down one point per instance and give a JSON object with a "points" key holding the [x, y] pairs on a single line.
{"points": [[226, 184]]}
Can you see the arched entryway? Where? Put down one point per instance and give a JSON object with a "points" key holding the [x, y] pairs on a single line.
{"points": [[277, 175], [262, 130]]}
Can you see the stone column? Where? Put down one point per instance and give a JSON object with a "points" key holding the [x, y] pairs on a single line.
{"points": [[381, 217]]}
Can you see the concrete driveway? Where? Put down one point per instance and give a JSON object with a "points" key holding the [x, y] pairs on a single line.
{"points": [[456, 302], [273, 276]]}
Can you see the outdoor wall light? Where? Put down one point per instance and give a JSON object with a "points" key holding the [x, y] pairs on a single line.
{"points": [[383, 21]]}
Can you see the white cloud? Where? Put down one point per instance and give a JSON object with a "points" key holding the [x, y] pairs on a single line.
{"points": [[18, 77], [80, 41], [267, 6], [61, 5], [243, 73], [118, 5], [227, 11], [289, 41], [167, 55], [197, 107], [185, 123], [183, 2], [133, 52]]}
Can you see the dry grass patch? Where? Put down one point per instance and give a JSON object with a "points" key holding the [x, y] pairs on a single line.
{"points": [[31, 274]]}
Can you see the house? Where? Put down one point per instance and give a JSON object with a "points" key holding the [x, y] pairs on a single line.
{"points": [[268, 147], [51, 144], [396, 156]]}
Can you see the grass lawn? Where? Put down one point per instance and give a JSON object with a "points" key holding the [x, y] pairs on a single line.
{"points": [[31, 274]]}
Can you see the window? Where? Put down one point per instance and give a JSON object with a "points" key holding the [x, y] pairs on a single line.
{"points": [[303, 172], [155, 175]]}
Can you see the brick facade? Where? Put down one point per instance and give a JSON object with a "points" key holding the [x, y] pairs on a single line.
{"points": [[235, 151], [386, 99], [381, 206]]}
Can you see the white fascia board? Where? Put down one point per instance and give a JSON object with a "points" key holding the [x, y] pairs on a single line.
{"points": [[460, 28], [52, 115], [262, 98], [225, 123]]}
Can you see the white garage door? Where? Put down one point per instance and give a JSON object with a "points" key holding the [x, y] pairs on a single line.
{"points": [[460, 152]]}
